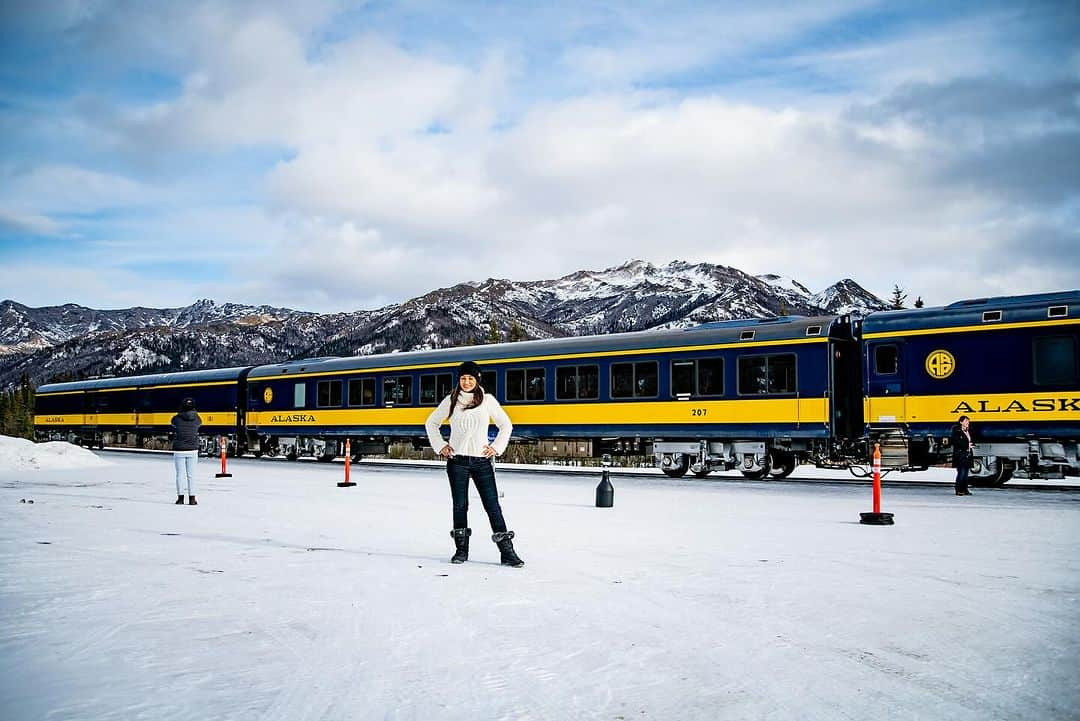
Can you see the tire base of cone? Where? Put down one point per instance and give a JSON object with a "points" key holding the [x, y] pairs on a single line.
{"points": [[876, 519]]}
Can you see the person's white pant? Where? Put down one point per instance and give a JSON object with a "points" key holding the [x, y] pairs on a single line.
{"points": [[185, 462]]}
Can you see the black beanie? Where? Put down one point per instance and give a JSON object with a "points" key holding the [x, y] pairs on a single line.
{"points": [[469, 368], [188, 404]]}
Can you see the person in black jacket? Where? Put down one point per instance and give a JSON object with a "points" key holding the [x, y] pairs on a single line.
{"points": [[186, 449], [962, 452]]}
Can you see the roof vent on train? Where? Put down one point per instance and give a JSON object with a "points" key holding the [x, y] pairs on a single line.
{"points": [[991, 316], [813, 330], [1057, 311]]}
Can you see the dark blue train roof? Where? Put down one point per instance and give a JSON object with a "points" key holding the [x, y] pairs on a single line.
{"points": [[980, 312], [155, 379], [785, 328]]}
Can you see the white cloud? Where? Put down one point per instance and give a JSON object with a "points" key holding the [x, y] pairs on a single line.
{"points": [[55, 189]]}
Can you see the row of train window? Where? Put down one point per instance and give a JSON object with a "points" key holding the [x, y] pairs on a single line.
{"points": [[690, 378], [1054, 360]]}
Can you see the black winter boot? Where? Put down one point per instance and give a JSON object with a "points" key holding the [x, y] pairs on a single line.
{"points": [[191, 501], [461, 540], [506, 548], [179, 501]]}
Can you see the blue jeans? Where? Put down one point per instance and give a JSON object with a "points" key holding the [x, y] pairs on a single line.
{"points": [[185, 466], [963, 466], [459, 469]]}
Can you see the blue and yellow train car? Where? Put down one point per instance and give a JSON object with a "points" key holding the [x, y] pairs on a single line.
{"points": [[140, 408], [756, 395], [1010, 364]]}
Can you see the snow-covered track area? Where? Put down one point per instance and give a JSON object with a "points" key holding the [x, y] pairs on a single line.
{"points": [[282, 596]]}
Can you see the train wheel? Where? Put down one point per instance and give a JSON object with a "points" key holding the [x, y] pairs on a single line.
{"points": [[257, 453], [290, 456], [784, 467], [701, 474], [764, 471], [679, 468], [1001, 474]]}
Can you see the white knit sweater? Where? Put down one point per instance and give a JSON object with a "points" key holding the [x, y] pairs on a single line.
{"points": [[469, 428]]}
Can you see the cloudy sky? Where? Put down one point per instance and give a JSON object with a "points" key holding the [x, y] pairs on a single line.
{"points": [[344, 155]]}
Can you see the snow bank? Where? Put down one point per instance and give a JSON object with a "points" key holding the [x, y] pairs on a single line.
{"points": [[23, 455]]}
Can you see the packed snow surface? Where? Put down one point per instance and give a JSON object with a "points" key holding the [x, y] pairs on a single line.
{"points": [[283, 597], [21, 454]]}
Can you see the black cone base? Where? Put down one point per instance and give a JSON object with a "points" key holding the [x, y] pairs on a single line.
{"points": [[222, 475], [345, 484], [876, 519]]}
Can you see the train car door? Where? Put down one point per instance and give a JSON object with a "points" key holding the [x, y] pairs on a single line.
{"points": [[92, 405], [885, 382], [846, 409]]}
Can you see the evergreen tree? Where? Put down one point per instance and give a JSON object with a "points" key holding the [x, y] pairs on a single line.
{"points": [[919, 302], [516, 333], [493, 333], [898, 298]]}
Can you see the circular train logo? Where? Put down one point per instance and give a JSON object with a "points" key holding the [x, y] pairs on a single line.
{"points": [[940, 364], [268, 395]]}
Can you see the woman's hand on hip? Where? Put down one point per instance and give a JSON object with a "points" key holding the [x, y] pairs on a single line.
{"points": [[447, 451], [488, 452]]}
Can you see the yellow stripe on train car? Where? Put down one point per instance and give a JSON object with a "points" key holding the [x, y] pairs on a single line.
{"points": [[209, 418], [216, 418], [981, 407], [968, 328], [764, 410], [53, 419]]}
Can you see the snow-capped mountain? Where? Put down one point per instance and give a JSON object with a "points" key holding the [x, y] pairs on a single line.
{"points": [[847, 296], [24, 329], [72, 341]]}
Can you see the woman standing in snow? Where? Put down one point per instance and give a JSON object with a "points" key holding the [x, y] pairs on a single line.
{"points": [[186, 449], [961, 454], [468, 454]]}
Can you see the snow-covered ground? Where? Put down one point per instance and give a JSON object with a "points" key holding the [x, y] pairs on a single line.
{"points": [[21, 454], [284, 597]]}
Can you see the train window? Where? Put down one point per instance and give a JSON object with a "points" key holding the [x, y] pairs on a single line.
{"points": [[362, 392], [767, 375], [434, 387], [328, 394], [1057, 311], [886, 359], [634, 380], [299, 395], [710, 377], [991, 316], [525, 384], [683, 377], [813, 330], [488, 381], [782, 373], [535, 384], [701, 378], [1055, 360], [397, 390], [573, 382], [747, 335]]}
